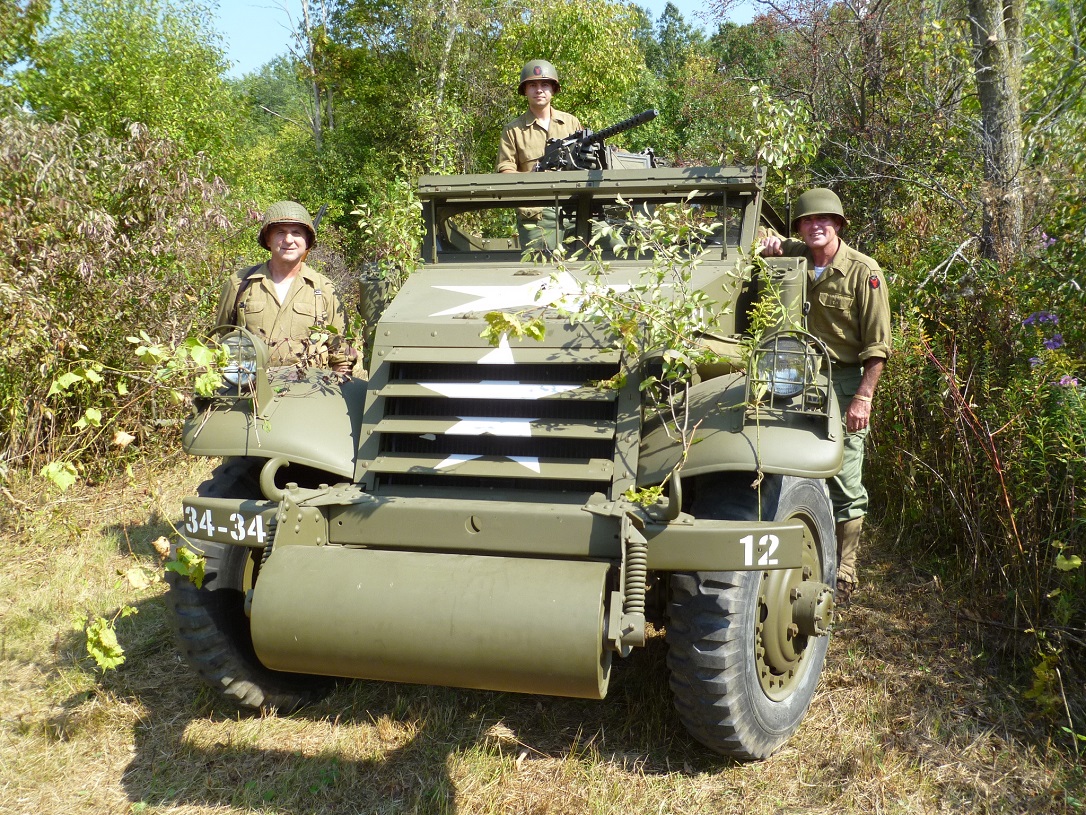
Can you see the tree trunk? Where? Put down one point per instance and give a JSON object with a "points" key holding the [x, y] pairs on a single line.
{"points": [[315, 117], [996, 30]]}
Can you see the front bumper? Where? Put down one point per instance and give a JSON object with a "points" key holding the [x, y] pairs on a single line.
{"points": [[344, 516]]}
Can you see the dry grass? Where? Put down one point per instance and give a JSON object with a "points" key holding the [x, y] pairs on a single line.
{"points": [[913, 715]]}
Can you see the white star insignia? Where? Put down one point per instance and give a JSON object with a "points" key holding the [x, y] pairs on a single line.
{"points": [[531, 462], [562, 289]]}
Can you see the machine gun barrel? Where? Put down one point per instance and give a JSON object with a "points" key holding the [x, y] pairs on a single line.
{"points": [[626, 124]]}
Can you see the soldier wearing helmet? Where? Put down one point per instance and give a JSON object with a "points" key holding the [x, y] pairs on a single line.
{"points": [[283, 299], [850, 312], [525, 138]]}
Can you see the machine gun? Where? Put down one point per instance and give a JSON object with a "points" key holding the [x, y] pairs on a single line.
{"points": [[575, 152]]}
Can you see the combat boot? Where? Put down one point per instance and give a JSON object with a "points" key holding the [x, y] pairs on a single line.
{"points": [[848, 547]]}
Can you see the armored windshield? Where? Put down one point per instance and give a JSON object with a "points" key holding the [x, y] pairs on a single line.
{"points": [[497, 217]]}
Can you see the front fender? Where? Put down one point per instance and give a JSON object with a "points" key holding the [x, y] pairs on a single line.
{"points": [[729, 437], [313, 419]]}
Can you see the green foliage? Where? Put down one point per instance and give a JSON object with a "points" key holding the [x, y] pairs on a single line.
{"points": [[661, 314], [191, 364], [1045, 691], [660, 319], [188, 564], [62, 473], [783, 136], [500, 325], [646, 496], [20, 21], [391, 232], [984, 417], [102, 643], [103, 236], [99, 58]]}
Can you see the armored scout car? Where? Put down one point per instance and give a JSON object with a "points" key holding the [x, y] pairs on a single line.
{"points": [[461, 517]]}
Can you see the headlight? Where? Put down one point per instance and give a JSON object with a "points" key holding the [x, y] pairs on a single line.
{"points": [[783, 364], [241, 370]]}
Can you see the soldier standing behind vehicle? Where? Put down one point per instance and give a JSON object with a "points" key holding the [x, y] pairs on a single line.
{"points": [[283, 299], [524, 140], [850, 313]]}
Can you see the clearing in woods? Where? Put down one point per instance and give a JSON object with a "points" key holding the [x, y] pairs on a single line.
{"points": [[915, 713]]}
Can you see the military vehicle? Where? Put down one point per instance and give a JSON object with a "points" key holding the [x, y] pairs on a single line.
{"points": [[463, 518]]}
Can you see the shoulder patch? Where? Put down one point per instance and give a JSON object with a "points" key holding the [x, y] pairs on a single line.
{"points": [[874, 282]]}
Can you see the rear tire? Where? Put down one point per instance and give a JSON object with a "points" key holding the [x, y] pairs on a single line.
{"points": [[742, 684], [210, 624]]}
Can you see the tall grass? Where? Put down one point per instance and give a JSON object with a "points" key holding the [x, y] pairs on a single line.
{"points": [[981, 455]]}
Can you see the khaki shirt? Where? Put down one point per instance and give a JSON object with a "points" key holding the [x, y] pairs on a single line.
{"points": [[282, 326], [524, 141], [850, 304]]}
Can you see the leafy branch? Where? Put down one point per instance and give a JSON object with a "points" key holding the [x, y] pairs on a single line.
{"points": [[659, 320], [106, 392]]}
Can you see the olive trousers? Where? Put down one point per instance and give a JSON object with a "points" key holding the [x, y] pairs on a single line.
{"points": [[847, 491], [539, 232]]}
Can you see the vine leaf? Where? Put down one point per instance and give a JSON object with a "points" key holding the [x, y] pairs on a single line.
{"points": [[102, 643], [61, 473], [188, 564]]}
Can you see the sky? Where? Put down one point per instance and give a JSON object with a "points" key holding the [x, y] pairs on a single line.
{"points": [[257, 31]]}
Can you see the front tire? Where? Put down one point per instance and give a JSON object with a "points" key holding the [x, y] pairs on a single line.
{"points": [[210, 624], [741, 675]]}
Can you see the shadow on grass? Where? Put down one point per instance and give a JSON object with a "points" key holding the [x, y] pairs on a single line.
{"points": [[370, 746], [377, 747], [905, 686]]}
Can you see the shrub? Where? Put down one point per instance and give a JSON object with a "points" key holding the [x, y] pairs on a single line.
{"points": [[102, 237], [982, 449]]}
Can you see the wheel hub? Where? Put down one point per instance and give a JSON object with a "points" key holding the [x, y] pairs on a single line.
{"points": [[793, 605], [812, 608]]}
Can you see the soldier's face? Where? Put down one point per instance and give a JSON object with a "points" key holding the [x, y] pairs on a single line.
{"points": [[288, 242], [539, 93], [819, 231]]}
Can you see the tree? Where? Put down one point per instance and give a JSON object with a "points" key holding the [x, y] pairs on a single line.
{"points": [[427, 87], [996, 29], [19, 24], [157, 62], [896, 78]]}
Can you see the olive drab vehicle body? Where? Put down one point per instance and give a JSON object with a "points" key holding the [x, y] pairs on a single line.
{"points": [[462, 519]]}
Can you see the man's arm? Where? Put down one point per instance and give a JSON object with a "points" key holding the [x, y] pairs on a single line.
{"points": [[224, 315], [858, 415], [507, 153]]}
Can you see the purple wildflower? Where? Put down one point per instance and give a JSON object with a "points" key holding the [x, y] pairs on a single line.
{"points": [[1034, 362], [1046, 241], [1068, 381], [1056, 341], [1039, 317]]}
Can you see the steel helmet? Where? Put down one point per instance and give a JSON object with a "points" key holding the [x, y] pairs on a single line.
{"points": [[819, 201], [286, 212], [538, 69]]}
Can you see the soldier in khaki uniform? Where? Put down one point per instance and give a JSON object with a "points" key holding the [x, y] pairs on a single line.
{"points": [[282, 299], [525, 139], [850, 313]]}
